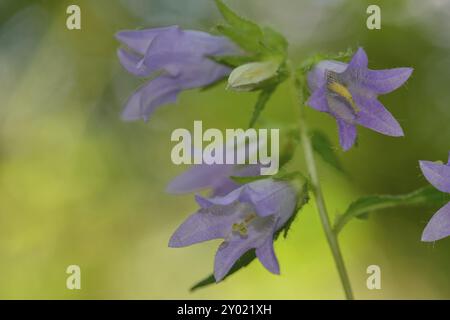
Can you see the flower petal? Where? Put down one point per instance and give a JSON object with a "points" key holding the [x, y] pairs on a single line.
{"points": [[226, 257], [359, 60], [160, 91], [373, 115], [178, 51], [267, 257], [265, 195], [340, 108], [437, 174], [317, 78], [203, 225], [199, 177], [439, 225], [318, 100], [231, 250], [347, 134], [140, 40], [224, 186], [385, 81], [132, 63]]}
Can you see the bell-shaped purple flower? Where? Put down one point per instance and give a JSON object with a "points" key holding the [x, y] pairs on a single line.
{"points": [[349, 93], [439, 176], [180, 60], [246, 219], [216, 177]]}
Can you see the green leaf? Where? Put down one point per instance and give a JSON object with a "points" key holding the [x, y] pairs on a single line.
{"points": [[426, 196], [250, 255], [245, 33], [249, 35], [263, 98], [247, 41], [235, 20], [274, 41], [324, 148]]}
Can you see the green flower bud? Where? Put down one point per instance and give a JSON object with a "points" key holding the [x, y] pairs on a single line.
{"points": [[253, 76]]}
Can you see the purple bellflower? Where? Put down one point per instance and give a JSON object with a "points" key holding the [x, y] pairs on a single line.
{"points": [[178, 59], [439, 176], [349, 93], [217, 177], [246, 218]]}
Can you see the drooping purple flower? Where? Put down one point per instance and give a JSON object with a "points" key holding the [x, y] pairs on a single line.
{"points": [[349, 93], [246, 219], [439, 176], [182, 58], [217, 177]]}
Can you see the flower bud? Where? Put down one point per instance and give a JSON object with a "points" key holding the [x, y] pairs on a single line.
{"points": [[252, 76]]}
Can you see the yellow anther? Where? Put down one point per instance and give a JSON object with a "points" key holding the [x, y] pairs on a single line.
{"points": [[344, 93], [335, 86], [241, 228]]}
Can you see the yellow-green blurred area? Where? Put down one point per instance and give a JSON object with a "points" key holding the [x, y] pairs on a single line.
{"points": [[80, 186]]}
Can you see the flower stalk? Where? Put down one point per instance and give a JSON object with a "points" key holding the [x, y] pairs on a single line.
{"points": [[298, 102]]}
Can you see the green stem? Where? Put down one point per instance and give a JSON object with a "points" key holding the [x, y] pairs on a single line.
{"points": [[317, 190]]}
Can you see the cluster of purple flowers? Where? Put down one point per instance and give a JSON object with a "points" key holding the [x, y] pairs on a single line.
{"points": [[247, 216]]}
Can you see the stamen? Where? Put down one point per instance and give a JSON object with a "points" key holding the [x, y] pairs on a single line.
{"points": [[241, 227], [336, 87], [250, 217]]}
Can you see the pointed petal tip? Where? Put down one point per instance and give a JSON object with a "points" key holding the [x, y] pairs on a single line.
{"points": [[347, 134], [175, 242], [124, 36], [359, 59], [202, 201], [174, 188], [346, 148], [119, 36], [398, 132], [128, 117], [439, 225], [218, 275], [360, 50], [409, 71], [428, 236]]}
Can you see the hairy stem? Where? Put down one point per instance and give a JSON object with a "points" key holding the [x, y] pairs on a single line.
{"points": [[331, 236]]}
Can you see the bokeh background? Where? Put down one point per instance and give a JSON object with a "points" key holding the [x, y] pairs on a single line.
{"points": [[79, 186]]}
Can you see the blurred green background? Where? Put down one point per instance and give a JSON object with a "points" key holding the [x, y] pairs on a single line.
{"points": [[79, 186]]}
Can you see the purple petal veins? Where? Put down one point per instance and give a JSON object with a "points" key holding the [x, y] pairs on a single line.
{"points": [[349, 93]]}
